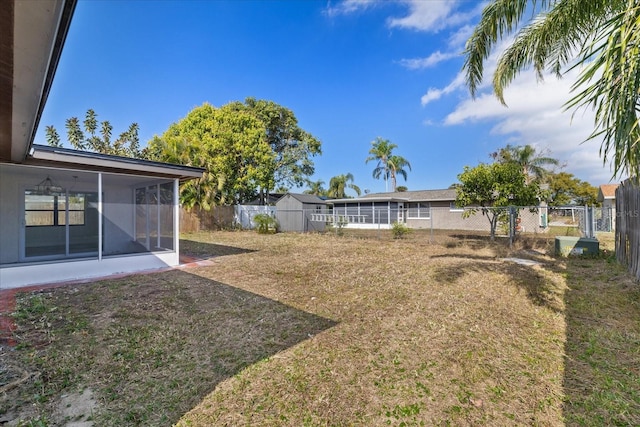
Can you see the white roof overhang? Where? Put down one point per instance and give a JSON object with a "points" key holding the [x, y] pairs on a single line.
{"points": [[32, 37], [43, 155]]}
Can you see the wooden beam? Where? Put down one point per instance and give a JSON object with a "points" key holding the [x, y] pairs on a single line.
{"points": [[6, 77]]}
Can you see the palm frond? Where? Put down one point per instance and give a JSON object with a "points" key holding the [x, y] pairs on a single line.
{"points": [[499, 18]]}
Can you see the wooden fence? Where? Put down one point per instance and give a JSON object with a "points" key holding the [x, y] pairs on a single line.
{"points": [[197, 219], [628, 226]]}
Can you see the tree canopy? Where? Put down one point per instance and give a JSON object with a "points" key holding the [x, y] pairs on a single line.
{"points": [[292, 146], [316, 188], [248, 149], [339, 184], [489, 186], [388, 166], [97, 136], [230, 144], [532, 163], [601, 37], [565, 189]]}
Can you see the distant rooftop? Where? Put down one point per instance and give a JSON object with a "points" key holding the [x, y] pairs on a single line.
{"points": [[609, 190], [445, 195]]}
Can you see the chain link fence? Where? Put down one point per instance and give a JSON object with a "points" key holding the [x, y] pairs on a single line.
{"points": [[586, 220], [582, 221], [507, 222]]}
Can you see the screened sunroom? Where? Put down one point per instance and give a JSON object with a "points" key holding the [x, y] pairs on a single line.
{"points": [[67, 214]]}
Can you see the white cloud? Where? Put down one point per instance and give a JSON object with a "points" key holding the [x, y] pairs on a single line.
{"points": [[434, 15], [434, 94], [430, 61], [426, 15], [459, 38], [535, 115], [349, 6]]}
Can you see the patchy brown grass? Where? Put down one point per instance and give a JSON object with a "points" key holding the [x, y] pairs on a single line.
{"points": [[362, 329]]}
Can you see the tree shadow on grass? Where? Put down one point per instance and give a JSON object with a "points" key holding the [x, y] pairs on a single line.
{"points": [[151, 347], [209, 250], [532, 280], [602, 349]]}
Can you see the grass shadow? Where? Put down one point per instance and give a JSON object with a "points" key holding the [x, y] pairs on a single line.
{"points": [[151, 347], [535, 281], [602, 364], [209, 250]]}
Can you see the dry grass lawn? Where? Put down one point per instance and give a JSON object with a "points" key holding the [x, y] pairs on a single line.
{"points": [[326, 330]]}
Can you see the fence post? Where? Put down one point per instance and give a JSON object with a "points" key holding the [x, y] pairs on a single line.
{"points": [[589, 219], [431, 220], [512, 225]]}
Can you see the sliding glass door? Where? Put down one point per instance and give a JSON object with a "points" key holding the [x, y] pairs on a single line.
{"points": [[58, 225]]}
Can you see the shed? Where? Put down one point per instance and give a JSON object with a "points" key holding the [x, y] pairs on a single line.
{"points": [[295, 212]]}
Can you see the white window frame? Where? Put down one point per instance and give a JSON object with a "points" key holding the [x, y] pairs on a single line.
{"points": [[410, 209], [454, 208]]}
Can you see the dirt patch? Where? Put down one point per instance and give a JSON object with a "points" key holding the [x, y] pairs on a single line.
{"points": [[76, 409]]}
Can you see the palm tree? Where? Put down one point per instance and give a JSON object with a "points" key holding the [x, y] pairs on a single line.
{"points": [[396, 166], [315, 187], [532, 163], [339, 183], [600, 35], [381, 150]]}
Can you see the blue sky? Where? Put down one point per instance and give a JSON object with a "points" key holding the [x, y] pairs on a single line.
{"points": [[350, 70]]}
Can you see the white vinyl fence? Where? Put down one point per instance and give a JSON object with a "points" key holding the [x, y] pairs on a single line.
{"points": [[244, 214]]}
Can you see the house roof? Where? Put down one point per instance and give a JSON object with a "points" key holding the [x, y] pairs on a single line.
{"points": [[445, 195], [44, 155], [607, 192], [311, 199], [33, 34], [270, 200]]}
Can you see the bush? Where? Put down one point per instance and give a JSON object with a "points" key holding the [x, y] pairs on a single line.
{"points": [[399, 230], [266, 224]]}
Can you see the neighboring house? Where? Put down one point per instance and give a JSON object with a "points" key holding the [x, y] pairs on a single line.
{"points": [[68, 214], [607, 196], [414, 208], [297, 212], [417, 209]]}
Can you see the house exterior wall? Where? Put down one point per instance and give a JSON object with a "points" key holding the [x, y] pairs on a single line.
{"points": [[442, 216], [10, 214], [19, 275]]}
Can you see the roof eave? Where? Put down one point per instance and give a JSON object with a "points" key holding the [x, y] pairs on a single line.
{"points": [[39, 31], [101, 162]]}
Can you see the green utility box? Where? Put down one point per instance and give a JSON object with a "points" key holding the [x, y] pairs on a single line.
{"points": [[568, 245]]}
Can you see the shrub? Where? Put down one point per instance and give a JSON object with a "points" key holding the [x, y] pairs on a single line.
{"points": [[266, 224], [399, 230]]}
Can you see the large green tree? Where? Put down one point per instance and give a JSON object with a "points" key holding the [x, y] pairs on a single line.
{"points": [[388, 165], [97, 136], [602, 37], [339, 184], [293, 147], [566, 189], [533, 164], [231, 146], [497, 185]]}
